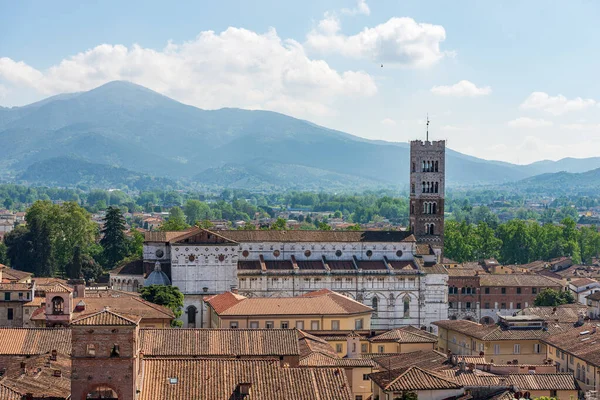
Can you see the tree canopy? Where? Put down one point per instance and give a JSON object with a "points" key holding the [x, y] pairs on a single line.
{"points": [[553, 298], [168, 296]]}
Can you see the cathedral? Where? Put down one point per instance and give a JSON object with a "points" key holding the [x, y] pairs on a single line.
{"points": [[397, 273]]}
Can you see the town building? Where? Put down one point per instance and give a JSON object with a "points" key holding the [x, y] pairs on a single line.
{"points": [[323, 309], [515, 340], [577, 351], [583, 287], [593, 305], [481, 297]]}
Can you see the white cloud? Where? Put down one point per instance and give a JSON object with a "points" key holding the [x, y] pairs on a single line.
{"points": [[361, 8], [388, 122], [463, 88], [580, 127], [400, 41], [532, 123], [235, 68], [454, 128], [555, 105]]}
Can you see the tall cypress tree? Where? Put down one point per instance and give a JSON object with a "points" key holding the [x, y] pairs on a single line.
{"points": [[114, 241]]}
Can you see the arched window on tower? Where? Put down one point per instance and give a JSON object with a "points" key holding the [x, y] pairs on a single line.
{"points": [[423, 187], [374, 303], [423, 166], [434, 208], [436, 187], [58, 305], [413, 167], [406, 303], [412, 188], [412, 209], [431, 229], [436, 166]]}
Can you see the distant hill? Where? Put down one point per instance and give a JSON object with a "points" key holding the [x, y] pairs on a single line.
{"points": [[583, 183], [72, 172], [124, 125]]}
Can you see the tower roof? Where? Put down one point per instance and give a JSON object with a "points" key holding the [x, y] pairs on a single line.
{"points": [[106, 318]]}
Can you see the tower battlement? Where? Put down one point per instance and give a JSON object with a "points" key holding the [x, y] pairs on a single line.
{"points": [[437, 144]]}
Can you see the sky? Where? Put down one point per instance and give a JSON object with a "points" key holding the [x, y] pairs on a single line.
{"points": [[513, 80]]}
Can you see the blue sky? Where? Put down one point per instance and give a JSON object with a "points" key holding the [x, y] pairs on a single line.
{"points": [[511, 80]]}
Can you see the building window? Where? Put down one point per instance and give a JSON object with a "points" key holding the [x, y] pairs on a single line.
{"points": [[534, 290], [486, 306], [518, 306], [381, 349], [503, 290], [314, 325], [536, 348], [233, 325], [487, 290], [7, 296], [58, 305], [450, 305], [518, 290], [570, 359], [363, 347], [191, 315], [338, 347], [335, 325], [517, 349], [253, 324], [269, 324], [496, 349], [300, 324], [358, 323], [9, 315], [20, 296], [553, 393], [285, 324], [338, 253], [503, 306], [358, 397], [406, 302], [91, 350], [468, 305], [374, 303]]}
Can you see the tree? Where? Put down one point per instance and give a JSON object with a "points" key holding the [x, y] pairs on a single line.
{"points": [[114, 242], [195, 211], [136, 244], [324, 227], [4, 254], [175, 222], [168, 296], [407, 396], [90, 269], [74, 268], [279, 225], [19, 248], [552, 298]]}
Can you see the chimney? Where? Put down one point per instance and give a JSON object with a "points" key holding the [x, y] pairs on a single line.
{"points": [[57, 373], [353, 345], [234, 289], [78, 286], [53, 355], [461, 365]]}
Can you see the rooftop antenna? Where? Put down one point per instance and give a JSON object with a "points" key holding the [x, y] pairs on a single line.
{"points": [[428, 127]]}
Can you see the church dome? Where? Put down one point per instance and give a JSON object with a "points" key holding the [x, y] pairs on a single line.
{"points": [[157, 277]]}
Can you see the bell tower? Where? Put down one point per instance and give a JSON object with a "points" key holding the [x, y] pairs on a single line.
{"points": [[427, 186]]}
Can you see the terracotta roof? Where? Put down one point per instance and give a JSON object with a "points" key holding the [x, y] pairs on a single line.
{"points": [[322, 360], [594, 296], [106, 317], [563, 314], [243, 236], [35, 302], [309, 344], [31, 341], [412, 378], [430, 360], [322, 302], [120, 302], [159, 236], [475, 378], [584, 346], [517, 280], [407, 265], [15, 274], [7, 393], [219, 342], [133, 267], [530, 382], [424, 249], [218, 379], [408, 334], [16, 286], [58, 288], [39, 378], [583, 282], [312, 265], [464, 272], [44, 281], [244, 264], [371, 265], [494, 332], [504, 395]]}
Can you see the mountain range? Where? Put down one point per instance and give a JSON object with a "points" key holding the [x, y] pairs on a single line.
{"points": [[127, 132]]}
